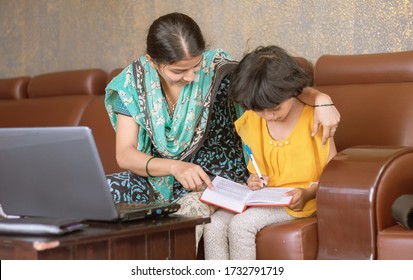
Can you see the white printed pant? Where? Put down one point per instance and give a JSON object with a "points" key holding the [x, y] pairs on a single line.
{"points": [[232, 236]]}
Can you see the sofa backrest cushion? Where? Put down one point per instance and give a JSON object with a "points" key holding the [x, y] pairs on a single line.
{"points": [[113, 74], [14, 88], [374, 95], [380, 68], [96, 118], [37, 112], [77, 82], [307, 66]]}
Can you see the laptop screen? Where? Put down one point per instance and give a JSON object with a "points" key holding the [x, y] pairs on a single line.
{"points": [[53, 172]]}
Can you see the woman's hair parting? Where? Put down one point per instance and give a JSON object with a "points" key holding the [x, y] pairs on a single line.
{"points": [[174, 37]]}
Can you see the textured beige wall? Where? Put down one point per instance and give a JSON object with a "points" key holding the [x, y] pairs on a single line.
{"points": [[39, 36]]}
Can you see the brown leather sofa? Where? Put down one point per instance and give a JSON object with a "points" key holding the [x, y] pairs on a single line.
{"points": [[374, 94]]}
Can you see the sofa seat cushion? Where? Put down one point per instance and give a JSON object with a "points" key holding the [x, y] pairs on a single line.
{"points": [[395, 243], [293, 240]]}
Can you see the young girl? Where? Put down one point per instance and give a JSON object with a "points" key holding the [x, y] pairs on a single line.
{"points": [[277, 127]]}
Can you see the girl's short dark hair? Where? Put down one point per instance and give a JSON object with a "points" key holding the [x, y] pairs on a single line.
{"points": [[173, 37], [266, 77]]}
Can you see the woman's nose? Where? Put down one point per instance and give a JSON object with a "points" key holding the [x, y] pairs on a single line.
{"points": [[189, 76]]}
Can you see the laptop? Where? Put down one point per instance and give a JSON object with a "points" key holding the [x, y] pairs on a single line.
{"points": [[57, 172]]}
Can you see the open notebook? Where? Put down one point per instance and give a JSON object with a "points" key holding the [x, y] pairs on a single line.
{"points": [[57, 172]]}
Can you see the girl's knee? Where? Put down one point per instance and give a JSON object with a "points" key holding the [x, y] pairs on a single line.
{"points": [[220, 220], [217, 224], [239, 221], [240, 227], [236, 227]]}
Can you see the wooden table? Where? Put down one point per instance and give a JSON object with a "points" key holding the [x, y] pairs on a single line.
{"points": [[171, 237]]}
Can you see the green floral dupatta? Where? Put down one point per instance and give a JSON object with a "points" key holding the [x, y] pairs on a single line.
{"points": [[177, 137]]}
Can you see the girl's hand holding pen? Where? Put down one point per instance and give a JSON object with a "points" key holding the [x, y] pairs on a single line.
{"points": [[256, 183], [252, 159]]}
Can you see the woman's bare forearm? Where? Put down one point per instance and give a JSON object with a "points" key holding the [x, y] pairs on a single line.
{"points": [[312, 96]]}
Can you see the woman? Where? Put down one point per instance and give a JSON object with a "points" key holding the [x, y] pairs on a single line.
{"points": [[173, 120]]}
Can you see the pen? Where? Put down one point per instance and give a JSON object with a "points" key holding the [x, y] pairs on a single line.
{"points": [[254, 163]]}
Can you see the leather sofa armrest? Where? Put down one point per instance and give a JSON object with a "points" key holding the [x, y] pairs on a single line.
{"points": [[354, 198], [292, 240]]}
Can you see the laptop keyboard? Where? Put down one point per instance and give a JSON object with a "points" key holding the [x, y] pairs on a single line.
{"points": [[131, 207], [133, 211]]}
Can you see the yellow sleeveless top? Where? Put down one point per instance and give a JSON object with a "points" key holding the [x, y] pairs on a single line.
{"points": [[293, 162]]}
